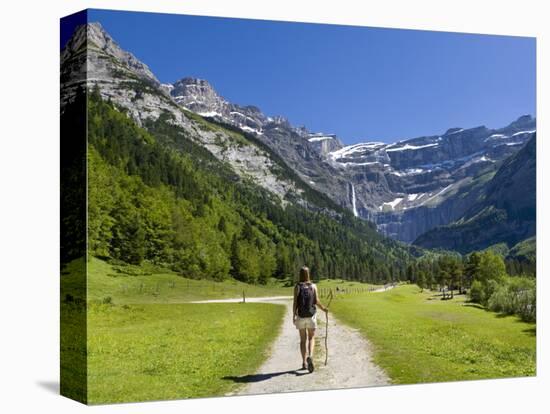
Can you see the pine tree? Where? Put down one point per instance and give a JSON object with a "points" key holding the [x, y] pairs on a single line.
{"points": [[222, 225], [235, 259], [471, 268]]}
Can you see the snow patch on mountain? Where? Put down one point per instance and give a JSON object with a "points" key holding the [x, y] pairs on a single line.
{"points": [[249, 129], [350, 149], [524, 132], [410, 171], [392, 204], [407, 147], [209, 114], [351, 163], [319, 138], [496, 136]]}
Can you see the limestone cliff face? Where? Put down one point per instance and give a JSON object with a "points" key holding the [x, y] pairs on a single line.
{"points": [[505, 211], [304, 151], [412, 186]]}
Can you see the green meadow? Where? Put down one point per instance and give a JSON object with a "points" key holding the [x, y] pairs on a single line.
{"points": [[149, 284], [145, 343], [419, 338], [169, 351], [342, 284]]}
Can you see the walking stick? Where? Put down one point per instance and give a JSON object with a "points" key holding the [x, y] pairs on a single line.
{"points": [[326, 329]]}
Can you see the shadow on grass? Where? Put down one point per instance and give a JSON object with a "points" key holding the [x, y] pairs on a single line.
{"points": [[263, 377], [499, 315], [474, 305], [531, 331]]}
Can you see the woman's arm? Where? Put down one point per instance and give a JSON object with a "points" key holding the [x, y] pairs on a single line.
{"points": [[317, 302], [295, 303]]}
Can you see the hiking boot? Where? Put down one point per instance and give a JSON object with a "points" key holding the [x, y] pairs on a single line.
{"points": [[310, 366]]}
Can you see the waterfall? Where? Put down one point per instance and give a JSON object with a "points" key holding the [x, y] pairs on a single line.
{"points": [[353, 200]]}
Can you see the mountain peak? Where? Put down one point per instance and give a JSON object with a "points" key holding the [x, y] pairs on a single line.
{"points": [[454, 130], [199, 96], [97, 41], [97, 29], [97, 36], [193, 81], [93, 33], [523, 121], [524, 118]]}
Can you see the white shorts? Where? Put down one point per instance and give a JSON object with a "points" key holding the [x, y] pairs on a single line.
{"points": [[306, 323]]}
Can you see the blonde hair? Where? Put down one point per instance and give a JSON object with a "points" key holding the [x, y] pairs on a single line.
{"points": [[304, 274]]}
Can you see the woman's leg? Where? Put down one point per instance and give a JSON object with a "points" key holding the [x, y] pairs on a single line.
{"points": [[303, 344], [311, 341]]}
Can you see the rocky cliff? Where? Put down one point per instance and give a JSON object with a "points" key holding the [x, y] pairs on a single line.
{"points": [[504, 212]]}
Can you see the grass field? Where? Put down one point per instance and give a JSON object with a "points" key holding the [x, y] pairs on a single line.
{"points": [[152, 285], [343, 284], [157, 352], [420, 338], [73, 351], [147, 343]]}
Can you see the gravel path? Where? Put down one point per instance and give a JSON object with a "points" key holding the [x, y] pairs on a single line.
{"points": [[349, 363]]}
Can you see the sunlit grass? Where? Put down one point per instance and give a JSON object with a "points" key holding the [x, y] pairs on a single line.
{"points": [[157, 352], [420, 338], [157, 285]]}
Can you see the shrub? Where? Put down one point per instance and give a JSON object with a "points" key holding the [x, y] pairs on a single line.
{"points": [[527, 306], [501, 300], [477, 293], [489, 288], [524, 297], [516, 296]]}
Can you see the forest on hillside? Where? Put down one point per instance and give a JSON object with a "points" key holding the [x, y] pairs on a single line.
{"points": [[177, 205]]}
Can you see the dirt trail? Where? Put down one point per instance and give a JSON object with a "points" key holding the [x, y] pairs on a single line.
{"points": [[349, 363]]}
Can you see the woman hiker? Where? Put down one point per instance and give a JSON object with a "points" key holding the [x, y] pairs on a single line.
{"points": [[305, 302]]}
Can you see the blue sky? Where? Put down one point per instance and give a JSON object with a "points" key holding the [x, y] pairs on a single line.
{"points": [[360, 83]]}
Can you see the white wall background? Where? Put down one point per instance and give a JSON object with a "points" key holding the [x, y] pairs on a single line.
{"points": [[29, 206]]}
